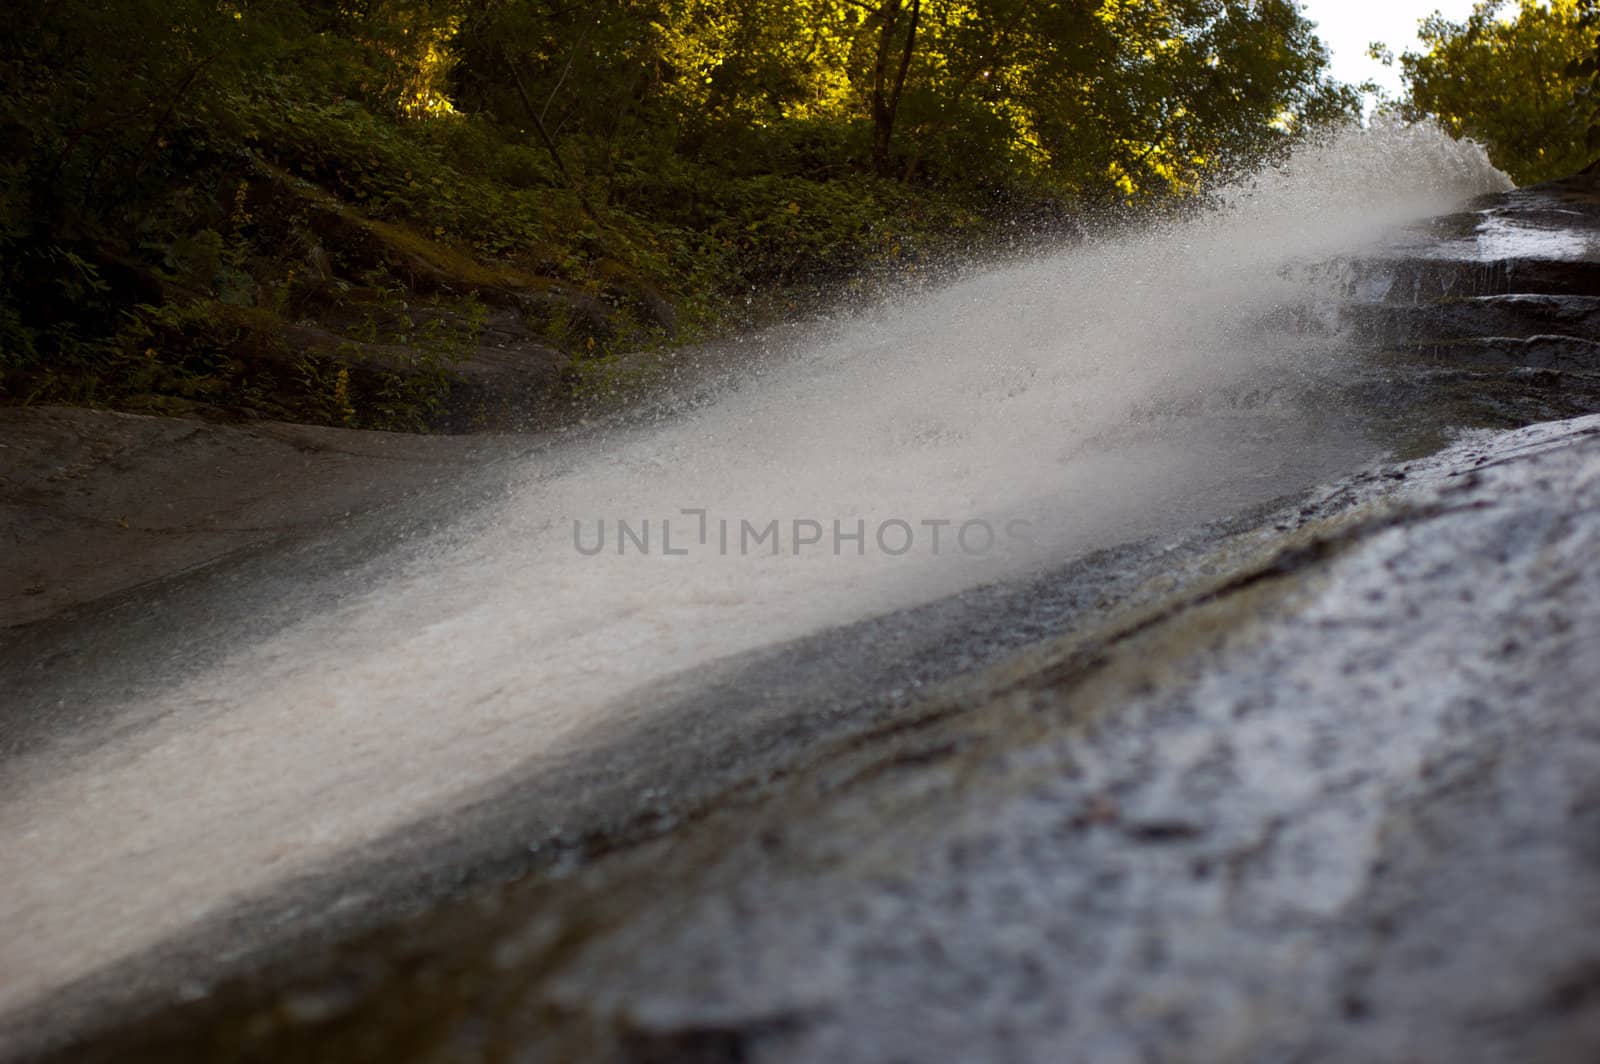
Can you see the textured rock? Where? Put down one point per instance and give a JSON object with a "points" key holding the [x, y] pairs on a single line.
{"points": [[1326, 793], [1342, 805], [93, 502]]}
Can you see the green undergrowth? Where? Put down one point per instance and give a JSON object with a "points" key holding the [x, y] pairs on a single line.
{"points": [[301, 247], [447, 215]]}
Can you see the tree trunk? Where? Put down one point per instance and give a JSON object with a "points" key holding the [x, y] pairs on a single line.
{"points": [[996, 57], [886, 90]]}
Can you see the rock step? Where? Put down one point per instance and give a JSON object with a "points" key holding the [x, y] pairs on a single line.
{"points": [[1412, 281], [1521, 316], [1547, 351]]}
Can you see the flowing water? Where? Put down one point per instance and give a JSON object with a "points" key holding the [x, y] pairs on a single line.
{"points": [[998, 425]]}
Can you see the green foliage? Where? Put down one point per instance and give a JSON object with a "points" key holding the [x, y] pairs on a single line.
{"points": [[186, 183], [415, 399], [1504, 77], [1585, 67]]}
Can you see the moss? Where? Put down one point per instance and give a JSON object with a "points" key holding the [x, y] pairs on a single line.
{"points": [[450, 264]]}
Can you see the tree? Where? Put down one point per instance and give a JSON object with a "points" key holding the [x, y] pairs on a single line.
{"points": [[1500, 77], [1126, 100], [188, 168], [1131, 99], [897, 24], [1586, 67]]}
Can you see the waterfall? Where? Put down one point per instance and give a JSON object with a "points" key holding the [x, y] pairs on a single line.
{"points": [[989, 427]]}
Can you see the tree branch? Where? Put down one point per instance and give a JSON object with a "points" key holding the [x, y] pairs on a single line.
{"points": [[544, 135]]}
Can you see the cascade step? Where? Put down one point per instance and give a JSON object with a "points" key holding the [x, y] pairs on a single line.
{"points": [[1520, 316]]}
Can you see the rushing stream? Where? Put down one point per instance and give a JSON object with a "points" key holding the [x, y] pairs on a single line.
{"points": [[999, 425]]}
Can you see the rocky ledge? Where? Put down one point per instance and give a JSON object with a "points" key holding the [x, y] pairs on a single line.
{"points": [[1328, 792], [1325, 789]]}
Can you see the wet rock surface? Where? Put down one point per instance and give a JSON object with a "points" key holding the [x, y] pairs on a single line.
{"points": [[1337, 803], [163, 496], [1314, 783]]}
